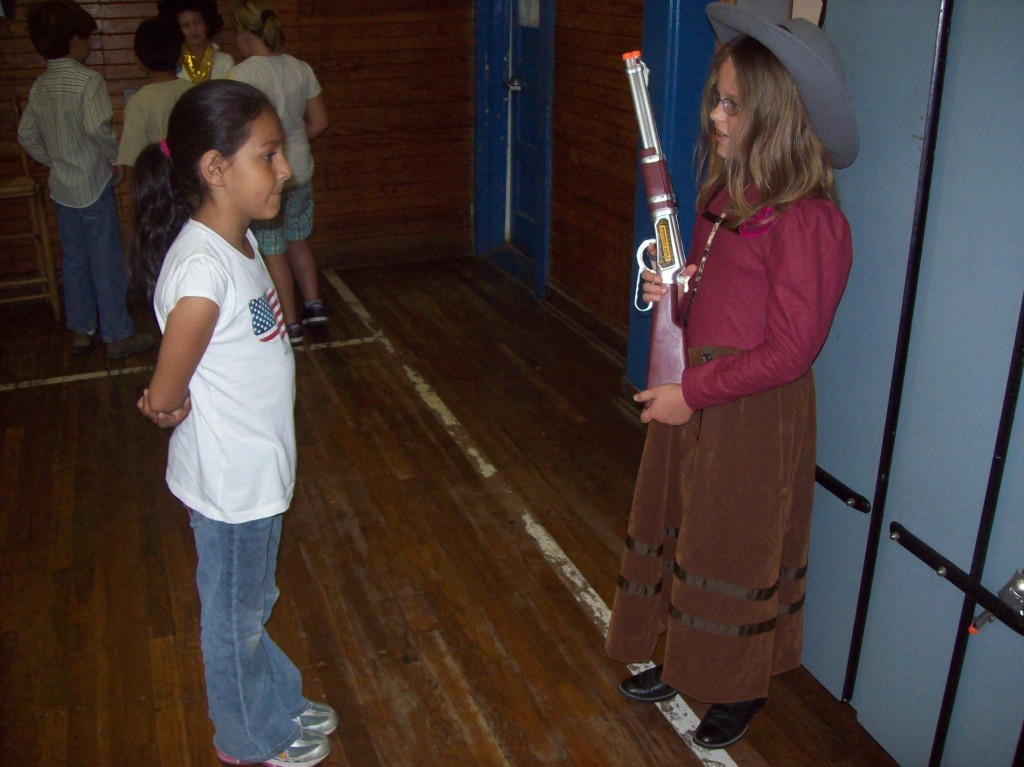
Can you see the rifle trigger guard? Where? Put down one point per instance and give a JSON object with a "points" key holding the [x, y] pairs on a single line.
{"points": [[641, 262]]}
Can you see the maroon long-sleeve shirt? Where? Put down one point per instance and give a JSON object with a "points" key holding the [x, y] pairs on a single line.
{"points": [[771, 290]]}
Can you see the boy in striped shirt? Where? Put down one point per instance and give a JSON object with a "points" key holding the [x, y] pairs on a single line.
{"points": [[66, 126]]}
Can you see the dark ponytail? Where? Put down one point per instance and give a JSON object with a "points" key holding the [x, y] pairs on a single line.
{"points": [[158, 217], [167, 185]]}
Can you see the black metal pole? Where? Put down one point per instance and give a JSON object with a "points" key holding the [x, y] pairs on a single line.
{"points": [[988, 511], [924, 183], [841, 491], [970, 586]]}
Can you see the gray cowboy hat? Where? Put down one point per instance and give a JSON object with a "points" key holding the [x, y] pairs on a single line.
{"points": [[814, 64]]}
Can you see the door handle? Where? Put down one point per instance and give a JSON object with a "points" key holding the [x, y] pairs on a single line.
{"points": [[513, 85]]}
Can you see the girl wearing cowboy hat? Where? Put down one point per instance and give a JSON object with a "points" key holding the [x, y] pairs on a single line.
{"points": [[716, 554]]}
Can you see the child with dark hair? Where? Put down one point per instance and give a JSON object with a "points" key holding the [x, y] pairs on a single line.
{"points": [[225, 381], [197, 21], [66, 126], [147, 112], [52, 27]]}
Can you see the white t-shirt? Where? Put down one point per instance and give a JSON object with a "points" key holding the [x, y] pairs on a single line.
{"points": [[289, 84], [233, 458]]}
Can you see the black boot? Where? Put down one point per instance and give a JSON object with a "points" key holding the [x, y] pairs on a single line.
{"points": [[647, 687], [726, 723]]}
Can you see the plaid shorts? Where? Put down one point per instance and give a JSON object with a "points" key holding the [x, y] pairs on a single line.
{"points": [[293, 222]]}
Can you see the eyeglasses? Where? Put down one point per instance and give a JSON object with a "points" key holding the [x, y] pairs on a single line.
{"points": [[731, 107]]}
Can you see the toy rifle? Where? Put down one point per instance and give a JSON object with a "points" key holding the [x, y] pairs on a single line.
{"points": [[667, 353], [1011, 594]]}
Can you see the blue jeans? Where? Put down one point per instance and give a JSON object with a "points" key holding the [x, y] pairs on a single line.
{"points": [[253, 690], [93, 267]]}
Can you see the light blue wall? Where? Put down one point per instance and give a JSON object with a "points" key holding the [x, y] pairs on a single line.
{"points": [[971, 281], [887, 49]]}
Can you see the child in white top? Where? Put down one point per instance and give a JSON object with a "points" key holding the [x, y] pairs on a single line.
{"points": [[225, 381], [294, 91]]}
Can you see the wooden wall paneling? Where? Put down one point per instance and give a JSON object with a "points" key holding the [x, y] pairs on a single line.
{"points": [[18, 257], [594, 158], [599, 299], [398, 82], [394, 170]]}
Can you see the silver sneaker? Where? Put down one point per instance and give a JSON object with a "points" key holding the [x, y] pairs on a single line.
{"points": [[318, 717], [310, 748]]}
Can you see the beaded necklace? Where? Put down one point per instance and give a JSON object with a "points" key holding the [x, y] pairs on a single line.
{"points": [[198, 72]]}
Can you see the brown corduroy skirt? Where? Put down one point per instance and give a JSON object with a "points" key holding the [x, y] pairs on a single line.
{"points": [[716, 553]]}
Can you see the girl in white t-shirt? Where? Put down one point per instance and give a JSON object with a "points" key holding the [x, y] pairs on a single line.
{"points": [[225, 381], [294, 91]]}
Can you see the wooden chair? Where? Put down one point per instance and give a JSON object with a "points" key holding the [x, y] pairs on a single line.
{"points": [[17, 183]]}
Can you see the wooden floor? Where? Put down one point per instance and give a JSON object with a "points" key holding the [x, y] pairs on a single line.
{"points": [[466, 463]]}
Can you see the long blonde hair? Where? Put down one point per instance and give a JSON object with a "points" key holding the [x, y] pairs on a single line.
{"points": [[259, 18], [778, 158]]}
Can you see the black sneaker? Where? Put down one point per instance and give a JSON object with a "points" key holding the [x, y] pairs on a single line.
{"points": [[314, 313], [134, 344], [294, 333], [83, 343]]}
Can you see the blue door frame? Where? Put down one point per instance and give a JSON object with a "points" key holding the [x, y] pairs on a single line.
{"points": [[491, 177], [490, 126]]}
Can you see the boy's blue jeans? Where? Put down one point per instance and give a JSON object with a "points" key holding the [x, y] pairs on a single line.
{"points": [[253, 690], [93, 267]]}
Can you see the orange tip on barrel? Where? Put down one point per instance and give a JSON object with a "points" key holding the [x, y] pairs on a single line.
{"points": [[631, 55]]}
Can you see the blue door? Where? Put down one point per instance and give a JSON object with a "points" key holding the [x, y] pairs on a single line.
{"points": [[513, 148], [529, 87]]}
